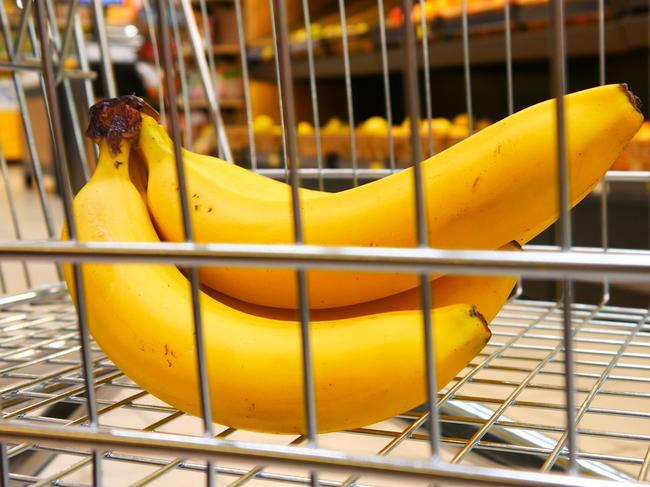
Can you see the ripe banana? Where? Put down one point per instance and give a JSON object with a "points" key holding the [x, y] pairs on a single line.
{"points": [[366, 367], [497, 186]]}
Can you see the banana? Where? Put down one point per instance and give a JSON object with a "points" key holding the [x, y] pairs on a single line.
{"points": [[366, 367], [499, 185]]}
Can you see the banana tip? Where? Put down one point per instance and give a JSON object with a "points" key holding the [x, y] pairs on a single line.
{"points": [[634, 100], [116, 119], [475, 313]]}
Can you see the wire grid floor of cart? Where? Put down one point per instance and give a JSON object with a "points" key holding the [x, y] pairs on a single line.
{"points": [[519, 374]]}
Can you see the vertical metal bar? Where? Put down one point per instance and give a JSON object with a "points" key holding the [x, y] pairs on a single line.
{"points": [[12, 211], [3, 284], [466, 65], [276, 59], [80, 44], [4, 466], [36, 167], [66, 192], [246, 82], [348, 91], [286, 80], [601, 40], [643, 472], [509, 78], [384, 69], [413, 104], [182, 75], [108, 77], [427, 80], [559, 89], [511, 97], [207, 81], [67, 38], [313, 92], [151, 28], [207, 50], [77, 137], [22, 26], [170, 88], [604, 224]]}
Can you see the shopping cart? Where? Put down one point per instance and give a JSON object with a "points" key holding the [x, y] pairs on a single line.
{"points": [[560, 395]]}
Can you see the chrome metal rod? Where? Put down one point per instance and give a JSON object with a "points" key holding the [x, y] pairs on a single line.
{"points": [[12, 213], [159, 443], [107, 74], [550, 460], [241, 37], [509, 77], [151, 29], [66, 191], [348, 88], [313, 92], [384, 71], [67, 37], [182, 74], [467, 68], [286, 80], [22, 30], [170, 88], [207, 81], [4, 466], [413, 104], [82, 55], [278, 77], [427, 81], [601, 41], [586, 264]]}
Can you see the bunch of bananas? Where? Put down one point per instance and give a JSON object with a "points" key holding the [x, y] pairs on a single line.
{"points": [[494, 190]]}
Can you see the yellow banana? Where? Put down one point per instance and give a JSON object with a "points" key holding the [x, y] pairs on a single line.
{"points": [[499, 185], [366, 367]]}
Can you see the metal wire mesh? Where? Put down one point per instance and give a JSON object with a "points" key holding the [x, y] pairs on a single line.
{"points": [[511, 407]]}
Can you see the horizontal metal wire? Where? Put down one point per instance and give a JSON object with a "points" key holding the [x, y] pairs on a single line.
{"points": [[594, 265]]}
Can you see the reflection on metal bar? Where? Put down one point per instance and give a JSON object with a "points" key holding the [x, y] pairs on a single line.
{"points": [[467, 69], [410, 469], [108, 77], [202, 370], [288, 107], [241, 37], [32, 65]]}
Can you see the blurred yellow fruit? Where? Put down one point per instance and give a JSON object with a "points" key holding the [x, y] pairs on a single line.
{"points": [[483, 123], [461, 119], [458, 132], [644, 132], [274, 160], [305, 128], [263, 123], [376, 165], [334, 126], [375, 126]]}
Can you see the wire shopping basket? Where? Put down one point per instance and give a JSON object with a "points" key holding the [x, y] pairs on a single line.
{"points": [[559, 396]]}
